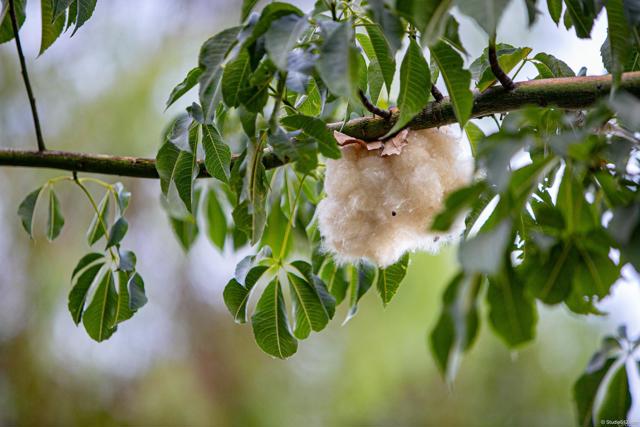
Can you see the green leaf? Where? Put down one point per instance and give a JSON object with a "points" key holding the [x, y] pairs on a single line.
{"points": [[429, 17], [475, 136], [618, 36], [309, 310], [270, 13], [456, 78], [452, 37], [485, 252], [6, 28], [317, 129], [212, 54], [486, 13], [122, 197], [165, 164], [415, 83], [59, 6], [186, 230], [86, 261], [126, 260], [99, 222], [389, 279], [596, 272], [617, 398], [85, 9], [247, 7], [312, 103], [118, 231], [27, 209], [242, 219], [137, 296], [216, 220], [217, 153], [328, 301], [362, 277], [236, 294], [456, 203], [72, 15], [51, 28], [184, 174], [123, 310], [555, 10], [283, 36], [549, 279], [585, 392], [80, 290], [257, 188], [270, 324], [255, 96], [556, 67], [192, 78], [375, 80], [337, 64], [382, 54], [512, 313], [574, 206], [582, 13], [392, 26], [235, 78], [458, 323], [55, 219], [99, 317], [334, 276]]}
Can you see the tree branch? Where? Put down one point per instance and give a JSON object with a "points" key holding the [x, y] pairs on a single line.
{"points": [[571, 93], [25, 76]]}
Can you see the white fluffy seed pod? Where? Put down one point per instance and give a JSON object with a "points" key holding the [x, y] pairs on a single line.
{"points": [[377, 208]]}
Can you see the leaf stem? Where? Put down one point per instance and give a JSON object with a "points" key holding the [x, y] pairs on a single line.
{"points": [[437, 95], [95, 209], [497, 71], [372, 108], [287, 231], [25, 76]]}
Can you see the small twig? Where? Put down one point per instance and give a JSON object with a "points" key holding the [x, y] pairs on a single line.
{"points": [[372, 108], [437, 95], [334, 15], [502, 77], [25, 76]]}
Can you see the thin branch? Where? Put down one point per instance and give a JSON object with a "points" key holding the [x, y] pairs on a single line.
{"points": [[136, 167], [437, 95], [372, 108], [25, 76], [572, 93], [497, 71]]}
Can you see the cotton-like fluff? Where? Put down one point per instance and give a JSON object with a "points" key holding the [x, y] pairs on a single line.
{"points": [[377, 208]]}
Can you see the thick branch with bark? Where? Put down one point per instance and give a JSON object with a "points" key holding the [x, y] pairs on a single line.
{"points": [[572, 93]]}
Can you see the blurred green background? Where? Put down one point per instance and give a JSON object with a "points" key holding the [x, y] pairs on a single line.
{"points": [[182, 360]]}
